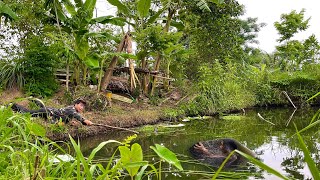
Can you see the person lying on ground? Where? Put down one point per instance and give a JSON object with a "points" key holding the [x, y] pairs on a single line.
{"points": [[66, 114]]}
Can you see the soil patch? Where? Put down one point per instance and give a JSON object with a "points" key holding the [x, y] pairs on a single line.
{"points": [[121, 118]]}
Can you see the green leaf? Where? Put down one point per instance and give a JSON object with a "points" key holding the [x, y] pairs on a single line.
{"points": [[104, 35], [309, 126], [261, 165], [143, 7], [82, 46], [167, 155], [119, 5], [128, 56], [314, 96], [131, 156], [311, 164], [153, 18], [141, 172], [89, 6], [79, 3], [69, 7], [100, 146], [222, 165], [60, 13], [82, 164], [203, 5], [92, 62], [109, 20], [178, 25], [217, 1], [7, 12], [36, 129], [136, 164]]}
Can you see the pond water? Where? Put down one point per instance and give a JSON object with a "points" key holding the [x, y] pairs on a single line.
{"points": [[272, 141]]}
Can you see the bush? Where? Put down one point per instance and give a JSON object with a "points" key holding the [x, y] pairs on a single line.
{"points": [[300, 85], [219, 89], [39, 64], [11, 74]]}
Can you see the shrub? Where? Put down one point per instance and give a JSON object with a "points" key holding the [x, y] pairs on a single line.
{"points": [[299, 85], [219, 89], [11, 74], [39, 64]]}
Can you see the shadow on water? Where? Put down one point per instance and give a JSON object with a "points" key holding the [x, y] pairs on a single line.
{"points": [[273, 143]]}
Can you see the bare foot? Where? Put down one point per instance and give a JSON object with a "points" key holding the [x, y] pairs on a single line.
{"points": [[200, 147]]}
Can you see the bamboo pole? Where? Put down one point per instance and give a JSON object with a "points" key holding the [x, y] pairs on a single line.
{"points": [[286, 94], [113, 127]]}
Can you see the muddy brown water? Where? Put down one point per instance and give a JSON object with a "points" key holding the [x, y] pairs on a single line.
{"points": [[273, 143]]}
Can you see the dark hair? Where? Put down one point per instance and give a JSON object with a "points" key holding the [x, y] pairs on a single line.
{"points": [[78, 101]]}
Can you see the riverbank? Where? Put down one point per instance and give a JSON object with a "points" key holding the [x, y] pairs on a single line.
{"points": [[117, 116], [120, 114]]}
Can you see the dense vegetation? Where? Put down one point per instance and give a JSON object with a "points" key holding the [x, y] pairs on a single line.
{"points": [[203, 45]]}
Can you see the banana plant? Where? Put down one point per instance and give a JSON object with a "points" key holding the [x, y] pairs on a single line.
{"points": [[138, 17], [75, 19]]}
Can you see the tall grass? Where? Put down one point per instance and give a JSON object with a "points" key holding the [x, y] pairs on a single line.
{"points": [[27, 154]]}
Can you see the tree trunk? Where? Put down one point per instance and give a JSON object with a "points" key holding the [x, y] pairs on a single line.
{"points": [[166, 81], [144, 76], [100, 75], [107, 75], [67, 78], [84, 76], [158, 59], [77, 73], [156, 68]]}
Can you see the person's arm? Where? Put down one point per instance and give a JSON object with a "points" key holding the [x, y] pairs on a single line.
{"points": [[88, 122], [80, 118]]}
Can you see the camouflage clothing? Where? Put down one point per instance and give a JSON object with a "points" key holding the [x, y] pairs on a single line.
{"points": [[65, 114]]}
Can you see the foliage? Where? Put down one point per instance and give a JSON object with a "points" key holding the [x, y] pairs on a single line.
{"points": [[290, 24], [294, 54], [219, 90], [39, 64], [154, 39], [95, 101], [216, 35], [300, 85], [132, 159], [257, 80], [11, 74], [172, 114], [6, 12]]}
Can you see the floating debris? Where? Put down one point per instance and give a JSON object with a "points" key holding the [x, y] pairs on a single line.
{"points": [[174, 125], [61, 158], [185, 120]]}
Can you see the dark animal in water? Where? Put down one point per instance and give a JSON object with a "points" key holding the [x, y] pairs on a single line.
{"points": [[214, 152]]}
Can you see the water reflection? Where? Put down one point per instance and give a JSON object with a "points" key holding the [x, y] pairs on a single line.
{"points": [[274, 144]]}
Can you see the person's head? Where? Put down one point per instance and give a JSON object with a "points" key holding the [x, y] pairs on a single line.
{"points": [[79, 105]]}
